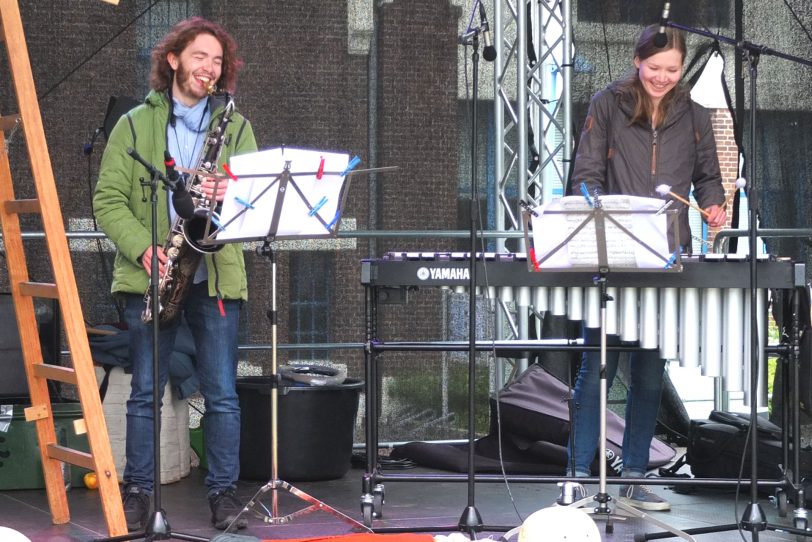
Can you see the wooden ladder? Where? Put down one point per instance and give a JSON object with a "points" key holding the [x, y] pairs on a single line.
{"points": [[81, 375]]}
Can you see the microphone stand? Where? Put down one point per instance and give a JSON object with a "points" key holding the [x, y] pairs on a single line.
{"points": [[471, 521], [157, 527], [753, 519]]}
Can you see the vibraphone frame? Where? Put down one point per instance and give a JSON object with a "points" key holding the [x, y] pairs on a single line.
{"points": [[392, 277]]}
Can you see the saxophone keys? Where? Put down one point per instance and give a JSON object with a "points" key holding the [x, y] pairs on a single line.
{"points": [[177, 240]]}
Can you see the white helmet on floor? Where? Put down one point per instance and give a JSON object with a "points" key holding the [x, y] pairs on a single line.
{"points": [[559, 524], [10, 535]]}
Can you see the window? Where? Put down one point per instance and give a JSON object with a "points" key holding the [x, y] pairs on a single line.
{"points": [[311, 274]]}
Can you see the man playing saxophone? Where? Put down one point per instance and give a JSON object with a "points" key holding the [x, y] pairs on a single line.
{"points": [[178, 112]]}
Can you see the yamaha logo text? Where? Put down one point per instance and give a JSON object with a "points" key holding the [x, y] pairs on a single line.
{"points": [[444, 273]]}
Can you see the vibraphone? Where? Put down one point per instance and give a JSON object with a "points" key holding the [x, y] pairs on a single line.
{"points": [[698, 314]]}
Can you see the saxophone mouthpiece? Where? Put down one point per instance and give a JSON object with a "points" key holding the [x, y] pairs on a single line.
{"points": [[212, 88]]}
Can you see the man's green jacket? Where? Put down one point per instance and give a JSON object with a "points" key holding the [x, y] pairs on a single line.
{"points": [[122, 205]]}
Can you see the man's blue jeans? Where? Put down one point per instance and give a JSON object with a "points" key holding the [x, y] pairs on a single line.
{"points": [[215, 339], [642, 404]]}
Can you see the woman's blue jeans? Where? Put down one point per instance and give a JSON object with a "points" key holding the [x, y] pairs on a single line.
{"points": [[215, 339], [642, 404]]}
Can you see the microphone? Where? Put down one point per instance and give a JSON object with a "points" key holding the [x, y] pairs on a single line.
{"points": [[87, 149], [489, 52], [660, 40], [181, 198], [172, 174]]}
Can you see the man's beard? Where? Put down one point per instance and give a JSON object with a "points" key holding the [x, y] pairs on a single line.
{"points": [[188, 84]]}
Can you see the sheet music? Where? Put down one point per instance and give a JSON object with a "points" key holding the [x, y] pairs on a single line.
{"points": [[297, 219], [557, 220]]}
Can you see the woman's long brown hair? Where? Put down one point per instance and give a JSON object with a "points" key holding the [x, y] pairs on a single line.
{"points": [[645, 48]]}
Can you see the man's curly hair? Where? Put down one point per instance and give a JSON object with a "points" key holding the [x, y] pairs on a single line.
{"points": [[178, 38]]}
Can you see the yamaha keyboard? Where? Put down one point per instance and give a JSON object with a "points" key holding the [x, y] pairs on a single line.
{"points": [[452, 269]]}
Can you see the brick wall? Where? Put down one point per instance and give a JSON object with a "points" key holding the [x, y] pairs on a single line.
{"points": [[300, 86], [728, 153]]}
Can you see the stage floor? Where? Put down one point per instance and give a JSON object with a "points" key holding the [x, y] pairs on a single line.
{"points": [[409, 505]]}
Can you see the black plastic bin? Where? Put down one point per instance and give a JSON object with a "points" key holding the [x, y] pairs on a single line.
{"points": [[316, 425]]}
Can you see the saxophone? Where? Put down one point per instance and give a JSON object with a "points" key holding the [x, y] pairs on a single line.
{"points": [[182, 247]]}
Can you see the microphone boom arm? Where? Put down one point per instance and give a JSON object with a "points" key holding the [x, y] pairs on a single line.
{"points": [[153, 171]]}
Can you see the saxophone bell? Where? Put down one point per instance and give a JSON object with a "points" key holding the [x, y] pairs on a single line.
{"points": [[199, 227]]}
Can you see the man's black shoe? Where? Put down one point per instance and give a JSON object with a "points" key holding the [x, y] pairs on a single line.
{"points": [[225, 507], [136, 507]]}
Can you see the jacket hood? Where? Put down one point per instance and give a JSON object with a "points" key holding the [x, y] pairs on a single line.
{"points": [[157, 99]]}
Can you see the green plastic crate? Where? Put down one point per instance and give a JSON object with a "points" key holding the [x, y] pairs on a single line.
{"points": [[20, 465]]}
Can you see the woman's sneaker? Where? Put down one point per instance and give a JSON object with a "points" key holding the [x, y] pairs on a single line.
{"points": [[643, 498]]}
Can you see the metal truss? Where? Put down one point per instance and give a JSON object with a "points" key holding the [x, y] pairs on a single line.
{"points": [[532, 99], [533, 119]]}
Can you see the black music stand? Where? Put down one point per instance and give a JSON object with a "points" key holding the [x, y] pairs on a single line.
{"points": [[303, 201], [595, 234]]}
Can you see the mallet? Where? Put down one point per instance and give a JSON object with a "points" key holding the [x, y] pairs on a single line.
{"points": [[665, 190], [740, 183]]}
